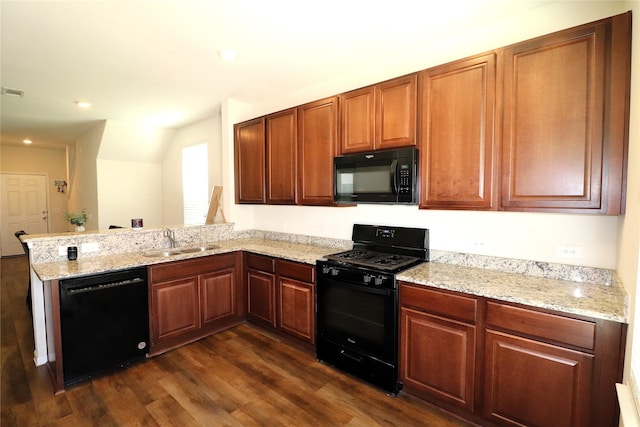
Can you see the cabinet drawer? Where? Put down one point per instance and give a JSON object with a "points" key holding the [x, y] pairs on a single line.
{"points": [[561, 329], [260, 262], [295, 270], [439, 302], [192, 267]]}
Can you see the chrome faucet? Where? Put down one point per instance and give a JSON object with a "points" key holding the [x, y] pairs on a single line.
{"points": [[171, 235]]}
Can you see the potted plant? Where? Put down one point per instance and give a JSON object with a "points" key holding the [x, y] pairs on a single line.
{"points": [[78, 219]]}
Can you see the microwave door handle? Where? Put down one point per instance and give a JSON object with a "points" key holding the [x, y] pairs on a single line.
{"points": [[394, 176]]}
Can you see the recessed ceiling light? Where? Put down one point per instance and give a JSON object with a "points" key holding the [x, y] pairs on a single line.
{"points": [[83, 104], [27, 141], [228, 54]]}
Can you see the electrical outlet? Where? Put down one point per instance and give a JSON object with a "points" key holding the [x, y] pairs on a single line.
{"points": [[480, 244], [569, 251], [89, 247]]}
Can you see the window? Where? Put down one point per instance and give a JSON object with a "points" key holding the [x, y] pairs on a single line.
{"points": [[195, 184]]}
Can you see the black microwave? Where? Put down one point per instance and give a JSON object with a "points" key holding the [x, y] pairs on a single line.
{"points": [[388, 176]]}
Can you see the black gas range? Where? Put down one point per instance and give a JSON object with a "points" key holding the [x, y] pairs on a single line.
{"points": [[357, 301]]}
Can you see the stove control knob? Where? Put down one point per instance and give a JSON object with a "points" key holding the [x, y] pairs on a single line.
{"points": [[325, 269], [367, 278], [379, 280], [334, 271]]}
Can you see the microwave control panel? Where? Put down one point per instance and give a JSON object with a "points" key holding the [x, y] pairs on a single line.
{"points": [[404, 186]]}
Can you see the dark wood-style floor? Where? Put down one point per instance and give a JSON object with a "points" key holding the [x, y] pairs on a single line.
{"points": [[239, 377]]}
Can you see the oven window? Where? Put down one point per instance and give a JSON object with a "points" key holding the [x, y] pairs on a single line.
{"points": [[361, 320]]}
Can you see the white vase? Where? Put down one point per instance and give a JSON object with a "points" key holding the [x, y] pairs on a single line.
{"points": [[79, 228]]}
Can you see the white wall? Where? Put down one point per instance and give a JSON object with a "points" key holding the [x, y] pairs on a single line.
{"points": [[628, 265], [138, 143], [129, 174], [533, 236], [129, 190], [207, 130], [83, 188]]}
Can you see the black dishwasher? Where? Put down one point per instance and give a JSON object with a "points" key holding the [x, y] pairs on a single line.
{"points": [[104, 322]]}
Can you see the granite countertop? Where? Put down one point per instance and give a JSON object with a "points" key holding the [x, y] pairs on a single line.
{"points": [[299, 252], [600, 301], [603, 301]]}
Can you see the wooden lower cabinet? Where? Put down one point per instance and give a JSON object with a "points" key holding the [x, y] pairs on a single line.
{"points": [[425, 368], [438, 345], [175, 309], [193, 298], [536, 384], [296, 299], [261, 297], [281, 295], [217, 296], [499, 363]]}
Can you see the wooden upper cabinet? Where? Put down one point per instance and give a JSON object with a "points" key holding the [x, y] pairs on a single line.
{"points": [[281, 139], [381, 116], [249, 151], [396, 102], [457, 140], [565, 120], [317, 146], [358, 120]]}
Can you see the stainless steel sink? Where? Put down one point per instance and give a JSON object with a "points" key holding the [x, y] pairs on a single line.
{"points": [[161, 253], [198, 249], [177, 251]]}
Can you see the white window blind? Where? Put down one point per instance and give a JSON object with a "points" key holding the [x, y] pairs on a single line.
{"points": [[195, 185]]}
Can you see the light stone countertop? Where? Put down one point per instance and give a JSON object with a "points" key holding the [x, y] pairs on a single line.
{"points": [[603, 301], [299, 252], [600, 301]]}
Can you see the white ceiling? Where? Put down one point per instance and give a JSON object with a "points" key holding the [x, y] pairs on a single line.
{"points": [[156, 62]]}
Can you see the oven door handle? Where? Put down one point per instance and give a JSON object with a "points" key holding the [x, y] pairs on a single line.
{"points": [[344, 353], [359, 288]]}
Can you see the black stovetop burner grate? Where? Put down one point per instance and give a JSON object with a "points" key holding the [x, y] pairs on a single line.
{"points": [[373, 259]]}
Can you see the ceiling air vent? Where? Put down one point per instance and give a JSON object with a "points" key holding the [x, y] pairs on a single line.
{"points": [[12, 92]]}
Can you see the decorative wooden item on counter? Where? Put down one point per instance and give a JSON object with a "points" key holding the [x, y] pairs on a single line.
{"points": [[214, 205]]}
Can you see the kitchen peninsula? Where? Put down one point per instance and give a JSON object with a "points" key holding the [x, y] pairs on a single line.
{"points": [[525, 298]]}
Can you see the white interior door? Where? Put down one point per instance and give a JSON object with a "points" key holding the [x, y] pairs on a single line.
{"points": [[24, 207]]}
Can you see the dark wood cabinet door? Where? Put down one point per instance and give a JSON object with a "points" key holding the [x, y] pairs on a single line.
{"points": [[438, 357], [249, 151], [358, 120], [296, 308], [563, 117], [395, 112], [532, 383], [261, 297], [380, 117], [457, 144], [174, 309], [317, 146], [217, 296], [282, 171]]}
